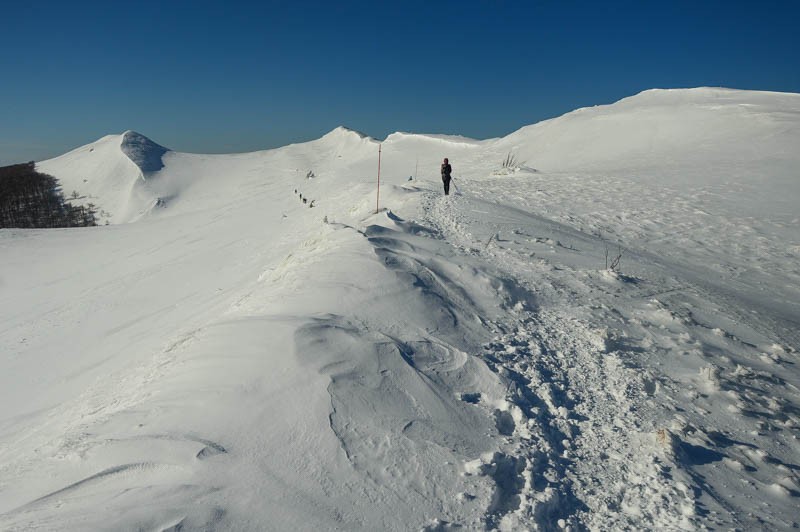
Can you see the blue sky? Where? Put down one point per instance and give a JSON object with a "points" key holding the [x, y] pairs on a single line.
{"points": [[238, 76]]}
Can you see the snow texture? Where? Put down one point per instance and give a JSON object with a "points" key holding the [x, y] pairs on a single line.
{"points": [[144, 153], [262, 350]]}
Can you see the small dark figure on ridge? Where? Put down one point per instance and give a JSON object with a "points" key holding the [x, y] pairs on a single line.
{"points": [[446, 170]]}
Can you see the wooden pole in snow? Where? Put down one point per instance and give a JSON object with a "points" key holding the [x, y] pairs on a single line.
{"points": [[378, 199]]}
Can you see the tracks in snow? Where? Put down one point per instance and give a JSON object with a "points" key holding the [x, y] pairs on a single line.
{"points": [[576, 451]]}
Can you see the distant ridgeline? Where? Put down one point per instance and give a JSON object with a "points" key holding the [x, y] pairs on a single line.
{"points": [[29, 199]]}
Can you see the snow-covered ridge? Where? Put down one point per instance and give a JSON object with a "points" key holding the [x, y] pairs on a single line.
{"points": [[343, 131], [342, 138], [704, 95], [265, 351], [682, 130], [680, 97], [400, 136]]}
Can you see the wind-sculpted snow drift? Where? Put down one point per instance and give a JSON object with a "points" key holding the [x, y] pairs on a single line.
{"points": [[235, 360], [144, 153]]}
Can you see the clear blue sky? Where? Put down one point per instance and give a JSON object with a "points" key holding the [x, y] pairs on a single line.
{"points": [[238, 76]]}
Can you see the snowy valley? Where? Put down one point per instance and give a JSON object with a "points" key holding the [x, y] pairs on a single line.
{"points": [[248, 345]]}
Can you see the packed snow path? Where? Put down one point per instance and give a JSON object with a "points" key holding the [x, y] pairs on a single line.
{"points": [[599, 434]]}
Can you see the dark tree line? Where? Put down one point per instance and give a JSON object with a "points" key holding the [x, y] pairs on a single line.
{"points": [[34, 200]]}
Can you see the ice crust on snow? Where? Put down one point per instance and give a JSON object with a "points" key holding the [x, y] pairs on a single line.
{"points": [[238, 360]]}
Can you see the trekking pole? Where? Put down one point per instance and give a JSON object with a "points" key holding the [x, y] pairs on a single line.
{"points": [[456, 186], [378, 198]]}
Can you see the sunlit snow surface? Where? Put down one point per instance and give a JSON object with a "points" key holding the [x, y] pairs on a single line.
{"points": [[237, 359]]}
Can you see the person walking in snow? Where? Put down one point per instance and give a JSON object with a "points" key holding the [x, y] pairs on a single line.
{"points": [[446, 170]]}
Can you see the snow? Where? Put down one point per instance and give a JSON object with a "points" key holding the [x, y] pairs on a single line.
{"points": [[225, 356], [144, 153], [111, 173]]}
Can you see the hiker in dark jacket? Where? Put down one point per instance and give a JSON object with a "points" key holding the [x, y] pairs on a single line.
{"points": [[446, 170]]}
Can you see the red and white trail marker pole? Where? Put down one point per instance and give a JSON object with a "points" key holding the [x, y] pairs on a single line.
{"points": [[378, 199]]}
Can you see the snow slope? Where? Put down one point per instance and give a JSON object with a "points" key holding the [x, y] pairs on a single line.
{"points": [[677, 129], [113, 173], [238, 359]]}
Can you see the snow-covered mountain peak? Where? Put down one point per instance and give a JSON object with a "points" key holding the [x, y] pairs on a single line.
{"points": [[343, 132], [144, 153], [342, 142], [109, 174]]}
